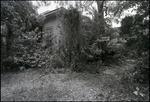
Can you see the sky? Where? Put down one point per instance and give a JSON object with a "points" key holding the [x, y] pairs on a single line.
{"points": [[53, 6], [45, 8]]}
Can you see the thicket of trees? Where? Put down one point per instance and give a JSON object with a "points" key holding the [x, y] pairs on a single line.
{"points": [[21, 33], [136, 29], [27, 46]]}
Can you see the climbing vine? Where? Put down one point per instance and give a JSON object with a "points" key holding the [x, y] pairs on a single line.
{"points": [[71, 27]]}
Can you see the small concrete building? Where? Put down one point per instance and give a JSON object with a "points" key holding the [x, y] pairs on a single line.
{"points": [[52, 24]]}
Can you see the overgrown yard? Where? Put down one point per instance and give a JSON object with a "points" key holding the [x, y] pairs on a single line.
{"points": [[111, 83]]}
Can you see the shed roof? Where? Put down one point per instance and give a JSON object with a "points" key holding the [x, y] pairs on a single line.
{"points": [[53, 13]]}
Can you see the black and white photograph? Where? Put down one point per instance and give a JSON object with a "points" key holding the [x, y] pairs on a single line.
{"points": [[83, 50]]}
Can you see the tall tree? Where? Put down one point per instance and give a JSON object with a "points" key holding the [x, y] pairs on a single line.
{"points": [[14, 15]]}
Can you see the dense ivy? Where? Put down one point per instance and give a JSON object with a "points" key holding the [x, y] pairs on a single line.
{"points": [[71, 27]]}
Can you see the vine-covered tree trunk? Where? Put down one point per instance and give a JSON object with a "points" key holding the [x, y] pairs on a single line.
{"points": [[71, 27], [101, 23], [101, 17]]}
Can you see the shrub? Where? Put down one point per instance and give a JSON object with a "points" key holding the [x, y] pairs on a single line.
{"points": [[52, 57], [25, 52], [91, 53], [141, 71], [14, 64]]}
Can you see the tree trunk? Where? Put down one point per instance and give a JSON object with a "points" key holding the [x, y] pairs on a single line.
{"points": [[101, 23], [101, 17], [9, 40]]}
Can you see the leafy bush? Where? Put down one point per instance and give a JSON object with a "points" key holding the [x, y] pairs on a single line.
{"points": [[14, 64], [25, 51], [22, 29], [137, 25], [51, 57], [91, 53], [56, 61], [141, 72]]}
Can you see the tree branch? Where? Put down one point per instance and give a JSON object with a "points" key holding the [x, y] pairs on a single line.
{"points": [[90, 3]]}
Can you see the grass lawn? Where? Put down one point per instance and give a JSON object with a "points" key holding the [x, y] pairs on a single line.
{"points": [[110, 84]]}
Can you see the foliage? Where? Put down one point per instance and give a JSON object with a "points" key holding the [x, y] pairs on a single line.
{"points": [[138, 46], [88, 30], [18, 11], [88, 48], [25, 51], [93, 49], [126, 24], [81, 36], [71, 27], [140, 30], [141, 72], [22, 29], [50, 59], [84, 37]]}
